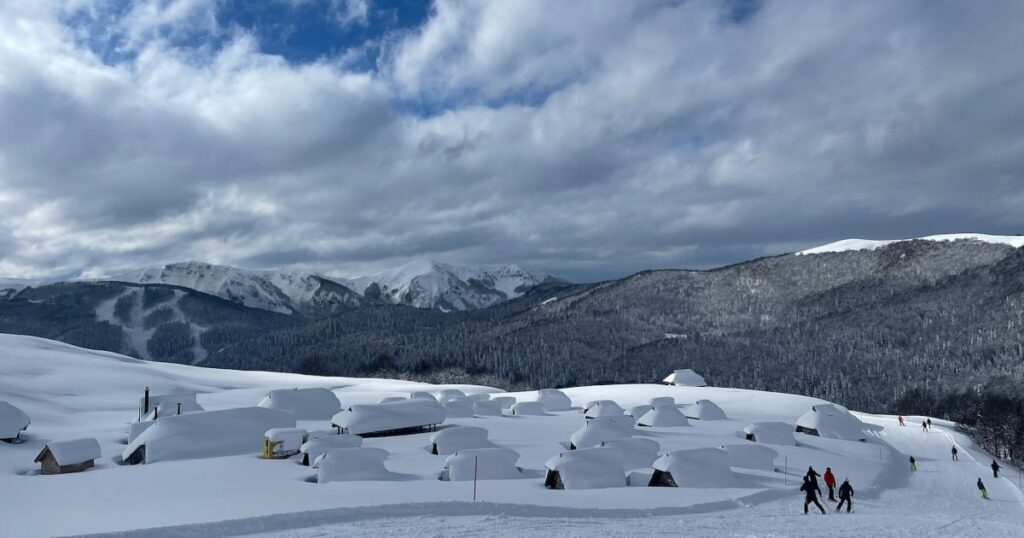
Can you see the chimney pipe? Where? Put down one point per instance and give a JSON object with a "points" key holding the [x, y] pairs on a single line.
{"points": [[146, 403], [179, 408]]}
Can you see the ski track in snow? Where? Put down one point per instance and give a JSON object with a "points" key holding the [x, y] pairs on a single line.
{"points": [[138, 334]]}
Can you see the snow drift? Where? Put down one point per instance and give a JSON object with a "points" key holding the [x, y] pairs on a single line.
{"points": [[12, 421]]}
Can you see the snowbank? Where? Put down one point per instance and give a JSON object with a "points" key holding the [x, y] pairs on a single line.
{"points": [[770, 433], [313, 449], [750, 456], [554, 400], [597, 431], [603, 408], [489, 463], [535, 409], [637, 452], [685, 378], [209, 434], [831, 421], [695, 467], [452, 440], [354, 464], [390, 417], [305, 404], [587, 468], [663, 416], [704, 410], [12, 421], [282, 442], [72, 452]]}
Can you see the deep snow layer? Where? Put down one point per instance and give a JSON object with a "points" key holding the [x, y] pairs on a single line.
{"points": [[71, 392]]}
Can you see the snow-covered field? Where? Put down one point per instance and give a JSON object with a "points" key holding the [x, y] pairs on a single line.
{"points": [[71, 392]]}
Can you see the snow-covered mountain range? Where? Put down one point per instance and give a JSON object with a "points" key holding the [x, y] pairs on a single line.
{"points": [[844, 245], [420, 283]]}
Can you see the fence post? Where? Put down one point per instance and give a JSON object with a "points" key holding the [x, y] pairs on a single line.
{"points": [[785, 472], [476, 460]]}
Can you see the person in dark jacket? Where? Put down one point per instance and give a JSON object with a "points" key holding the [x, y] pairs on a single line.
{"points": [[995, 469], [901, 420], [956, 454], [830, 483], [981, 488], [812, 475], [811, 492], [845, 496], [924, 426], [929, 424], [913, 464]]}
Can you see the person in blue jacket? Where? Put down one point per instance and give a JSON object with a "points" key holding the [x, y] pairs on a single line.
{"points": [[981, 488], [811, 492], [845, 496]]}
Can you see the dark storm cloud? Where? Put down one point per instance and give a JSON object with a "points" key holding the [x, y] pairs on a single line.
{"points": [[651, 134]]}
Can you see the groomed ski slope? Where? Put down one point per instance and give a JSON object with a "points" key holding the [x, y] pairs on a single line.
{"points": [[70, 392]]}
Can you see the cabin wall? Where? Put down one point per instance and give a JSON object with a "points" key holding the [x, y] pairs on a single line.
{"points": [[50, 466]]}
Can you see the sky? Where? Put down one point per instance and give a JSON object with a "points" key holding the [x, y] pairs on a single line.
{"points": [[586, 139]]}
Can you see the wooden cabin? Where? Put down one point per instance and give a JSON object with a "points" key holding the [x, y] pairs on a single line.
{"points": [[73, 456]]}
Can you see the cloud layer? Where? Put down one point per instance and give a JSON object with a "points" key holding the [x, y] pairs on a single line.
{"points": [[590, 142]]}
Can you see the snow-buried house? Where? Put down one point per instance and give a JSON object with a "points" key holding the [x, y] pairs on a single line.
{"points": [[314, 448], [531, 409], [452, 440], [637, 452], [305, 404], [587, 468], [685, 378], [603, 408], [597, 431], [209, 434], [354, 464], [13, 421], [663, 416], [493, 463], [831, 421], [554, 400], [458, 407], [770, 433], [695, 467], [487, 408], [390, 418], [280, 443], [704, 410], [59, 457]]}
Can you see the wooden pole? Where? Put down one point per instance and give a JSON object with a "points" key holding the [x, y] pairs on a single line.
{"points": [[476, 460], [785, 472]]}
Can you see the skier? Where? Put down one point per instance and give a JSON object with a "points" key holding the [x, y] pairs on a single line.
{"points": [[812, 475], [811, 491], [913, 464], [929, 424], [924, 426], [901, 420], [830, 483], [845, 496], [995, 469], [956, 453], [981, 488]]}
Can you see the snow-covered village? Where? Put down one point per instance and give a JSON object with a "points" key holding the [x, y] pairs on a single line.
{"points": [[488, 268]]}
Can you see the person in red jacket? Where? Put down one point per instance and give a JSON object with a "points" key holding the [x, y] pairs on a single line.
{"points": [[830, 483]]}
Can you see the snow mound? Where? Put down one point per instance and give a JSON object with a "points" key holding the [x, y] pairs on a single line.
{"points": [[483, 463], [488, 408], [637, 452], [603, 408], [209, 434], [663, 416], [448, 395], [534, 409], [306, 404], [748, 456], [638, 411], [845, 245], [313, 449], [282, 442], [390, 417], [72, 452], [170, 407], [704, 410], [588, 468], [506, 402], [685, 378], [459, 407], [554, 400], [12, 421], [770, 433], [420, 395], [452, 440], [354, 464], [694, 468], [389, 399], [597, 431], [831, 421]]}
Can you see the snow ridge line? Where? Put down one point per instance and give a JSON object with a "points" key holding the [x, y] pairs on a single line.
{"points": [[299, 520]]}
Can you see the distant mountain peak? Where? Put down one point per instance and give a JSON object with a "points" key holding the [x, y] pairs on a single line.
{"points": [[844, 245]]}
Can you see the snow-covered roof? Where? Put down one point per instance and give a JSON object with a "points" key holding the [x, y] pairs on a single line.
{"points": [[490, 464], [697, 467], [373, 418], [831, 421], [71, 452], [662, 400], [389, 399], [450, 394], [487, 408], [704, 410], [663, 416], [420, 395], [1015, 241], [306, 404], [315, 448], [589, 468], [353, 464], [170, 407], [278, 434], [638, 411], [751, 456], [452, 440], [172, 398], [529, 409], [12, 420], [554, 400], [458, 407], [637, 452], [771, 433], [685, 378], [209, 434], [602, 408], [506, 402], [597, 431], [479, 397]]}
